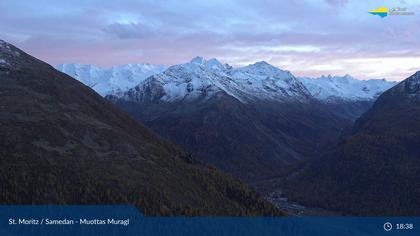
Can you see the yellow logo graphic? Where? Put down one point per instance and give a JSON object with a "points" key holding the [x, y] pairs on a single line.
{"points": [[382, 12]]}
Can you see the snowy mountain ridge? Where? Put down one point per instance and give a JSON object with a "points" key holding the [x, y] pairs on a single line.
{"points": [[114, 80], [334, 88], [201, 78], [196, 78]]}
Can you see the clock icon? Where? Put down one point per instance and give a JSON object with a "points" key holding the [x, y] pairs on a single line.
{"points": [[387, 226]]}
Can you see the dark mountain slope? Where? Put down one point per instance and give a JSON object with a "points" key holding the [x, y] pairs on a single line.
{"points": [[349, 110], [62, 143], [249, 140], [376, 170]]}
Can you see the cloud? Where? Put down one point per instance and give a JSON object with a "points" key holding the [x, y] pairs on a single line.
{"points": [[305, 37], [128, 31], [336, 3]]}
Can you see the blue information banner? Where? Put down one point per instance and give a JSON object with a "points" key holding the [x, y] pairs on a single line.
{"points": [[127, 220]]}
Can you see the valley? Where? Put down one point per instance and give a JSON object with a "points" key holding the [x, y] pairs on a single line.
{"points": [[256, 122]]}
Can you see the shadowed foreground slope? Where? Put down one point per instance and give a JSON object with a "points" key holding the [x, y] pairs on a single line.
{"points": [[62, 143], [376, 169]]}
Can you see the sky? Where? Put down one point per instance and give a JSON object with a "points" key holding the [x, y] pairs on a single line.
{"points": [[306, 37]]}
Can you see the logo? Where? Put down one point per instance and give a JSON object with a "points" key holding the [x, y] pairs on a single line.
{"points": [[382, 12], [395, 11]]}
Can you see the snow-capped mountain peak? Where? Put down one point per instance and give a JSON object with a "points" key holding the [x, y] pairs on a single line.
{"points": [[107, 81], [194, 79], [198, 60], [262, 68], [335, 88], [211, 64], [216, 65], [262, 80]]}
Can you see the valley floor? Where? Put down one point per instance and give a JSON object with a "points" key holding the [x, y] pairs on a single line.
{"points": [[278, 199], [272, 190]]}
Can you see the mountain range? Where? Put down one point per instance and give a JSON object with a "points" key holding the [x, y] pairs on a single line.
{"points": [[253, 122], [259, 80], [62, 143]]}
